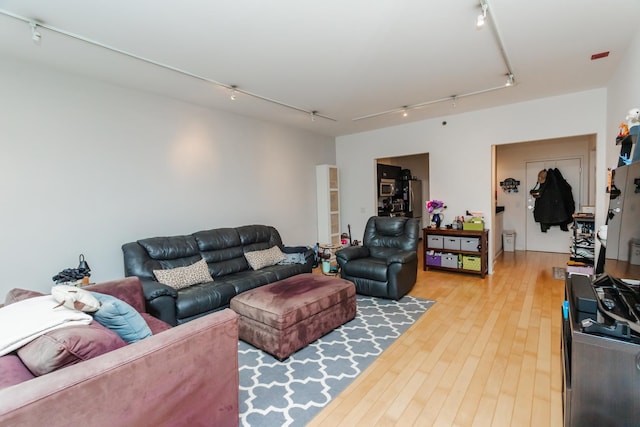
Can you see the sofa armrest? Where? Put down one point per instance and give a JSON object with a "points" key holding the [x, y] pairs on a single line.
{"points": [[168, 376], [160, 301], [153, 289], [351, 252], [309, 254]]}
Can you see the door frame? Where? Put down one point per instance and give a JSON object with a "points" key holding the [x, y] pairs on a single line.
{"points": [[579, 194]]}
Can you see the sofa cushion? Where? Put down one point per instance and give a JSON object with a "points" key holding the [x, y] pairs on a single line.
{"points": [[121, 318], [258, 237], [222, 249], [264, 258], [183, 277], [169, 248], [13, 371], [156, 325], [75, 298], [68, 346], [204, 298]]}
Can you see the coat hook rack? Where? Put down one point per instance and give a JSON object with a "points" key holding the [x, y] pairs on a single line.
{"points": [[510, 185]]}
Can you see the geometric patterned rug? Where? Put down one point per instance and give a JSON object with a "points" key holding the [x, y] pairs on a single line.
{"points": [[292, 392]]}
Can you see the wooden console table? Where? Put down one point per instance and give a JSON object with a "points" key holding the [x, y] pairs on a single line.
{"points": [[481, 251]]}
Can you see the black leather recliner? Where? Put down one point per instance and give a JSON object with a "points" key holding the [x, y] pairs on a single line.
{"points": [[386, 265]]}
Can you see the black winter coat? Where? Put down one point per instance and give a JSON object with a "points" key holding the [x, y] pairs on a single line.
{"points": [[555, 206]]}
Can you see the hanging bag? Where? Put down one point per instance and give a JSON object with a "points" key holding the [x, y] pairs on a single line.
{"points": [[535, 191]]}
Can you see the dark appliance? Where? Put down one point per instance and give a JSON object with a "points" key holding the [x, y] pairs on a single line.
{"points": [[601, 351]]}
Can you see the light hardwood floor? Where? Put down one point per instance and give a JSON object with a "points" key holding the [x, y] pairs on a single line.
{"points": [[486, 354]]}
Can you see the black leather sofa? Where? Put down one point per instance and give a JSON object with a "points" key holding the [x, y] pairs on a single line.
{"points": [[223, 249], [386, 266]]}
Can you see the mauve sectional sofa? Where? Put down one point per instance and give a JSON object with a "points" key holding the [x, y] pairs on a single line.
{"points": [[182, 376]]}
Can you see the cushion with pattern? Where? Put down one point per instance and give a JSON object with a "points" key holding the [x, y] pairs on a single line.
{"points": [[183, 277], [265, 258]]}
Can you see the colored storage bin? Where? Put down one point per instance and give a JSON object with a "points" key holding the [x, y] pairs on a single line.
{"points": [[477, 226], [470, 244], [470, 262], [435, 242], [434, 260], [449, 260], [452, 243]]}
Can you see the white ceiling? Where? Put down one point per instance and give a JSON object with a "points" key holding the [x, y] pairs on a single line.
{"points": [[342, 58]]}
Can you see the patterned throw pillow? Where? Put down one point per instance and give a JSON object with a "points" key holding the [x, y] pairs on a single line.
{"points": [[183, 277], [261, 259]]}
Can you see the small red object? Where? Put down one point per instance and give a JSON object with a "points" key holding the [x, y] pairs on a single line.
{"points": [[599, 55]]}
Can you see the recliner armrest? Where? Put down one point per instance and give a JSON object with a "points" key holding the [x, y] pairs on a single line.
{"points": [[352, 252], [402, 257]]}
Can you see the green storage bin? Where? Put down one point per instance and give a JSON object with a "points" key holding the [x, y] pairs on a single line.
{"points": [[471, 262], [478, 226]]}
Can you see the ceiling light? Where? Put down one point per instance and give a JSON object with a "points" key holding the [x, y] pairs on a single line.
{"points": [[509, 80], [313, 115], [404, 111], [35, 34], [483, 16], [234, 92]]}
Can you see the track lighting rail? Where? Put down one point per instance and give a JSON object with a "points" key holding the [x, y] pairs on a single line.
{"points": [[36, 35]]}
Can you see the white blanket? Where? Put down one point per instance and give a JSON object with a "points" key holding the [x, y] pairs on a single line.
{"points": [[24, 321]]}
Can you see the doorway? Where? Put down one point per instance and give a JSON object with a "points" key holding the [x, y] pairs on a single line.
{"points": [[418, 165], [522, 161]]}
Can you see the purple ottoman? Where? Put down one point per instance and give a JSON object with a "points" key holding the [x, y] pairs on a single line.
{"points": [[282, 317]]}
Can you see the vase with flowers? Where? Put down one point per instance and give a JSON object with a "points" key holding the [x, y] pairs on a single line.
{"points": [[435, 208]]}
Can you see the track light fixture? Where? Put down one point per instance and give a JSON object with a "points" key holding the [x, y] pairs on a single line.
{"points": [[483, 16], [35, 34], [482, 19], [510, 80]]}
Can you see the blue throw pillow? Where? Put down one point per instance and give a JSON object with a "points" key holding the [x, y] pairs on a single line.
{"points": [[121, 318]]}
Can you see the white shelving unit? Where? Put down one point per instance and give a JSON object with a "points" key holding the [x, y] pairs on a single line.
{"points": [[328, 194]]}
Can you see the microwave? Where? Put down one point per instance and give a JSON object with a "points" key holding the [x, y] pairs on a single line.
{"points": [[387, 188]]}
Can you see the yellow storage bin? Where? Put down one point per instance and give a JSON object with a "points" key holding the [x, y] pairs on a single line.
{"points": [[471, 262], [473, 226]]}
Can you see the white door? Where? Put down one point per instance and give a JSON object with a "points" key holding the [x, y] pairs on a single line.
{"points": [[554, 239]]}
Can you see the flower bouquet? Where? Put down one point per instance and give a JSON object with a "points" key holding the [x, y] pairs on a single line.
{"points": [[435, 207]]}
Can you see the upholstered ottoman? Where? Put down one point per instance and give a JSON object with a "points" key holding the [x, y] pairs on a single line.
{"points": [[282, 317]]}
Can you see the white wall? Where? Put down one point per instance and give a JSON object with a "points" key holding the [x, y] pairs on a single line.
{"points": [[460, 152], [86, 166], [623, 94]]}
